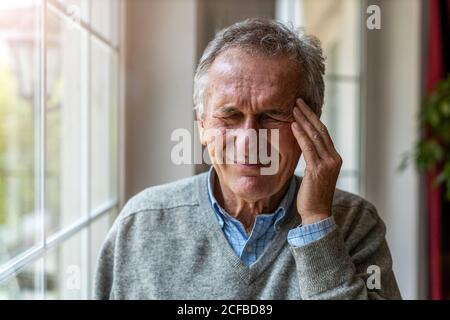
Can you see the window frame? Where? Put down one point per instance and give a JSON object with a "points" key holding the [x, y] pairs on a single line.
{"points": [[288, 11], [44, 242]]}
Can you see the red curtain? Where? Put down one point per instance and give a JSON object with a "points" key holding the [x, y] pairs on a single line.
{"points": [[438, 67]]}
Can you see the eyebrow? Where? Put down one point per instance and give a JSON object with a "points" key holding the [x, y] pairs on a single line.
{"points": [[227, 109], [278, 112]]}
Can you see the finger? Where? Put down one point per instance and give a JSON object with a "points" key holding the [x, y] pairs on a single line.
{"points": [[320, 127], [309, 151], [312, 133]]}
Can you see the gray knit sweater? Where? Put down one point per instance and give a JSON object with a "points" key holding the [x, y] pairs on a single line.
{"points": [[167, 244]]}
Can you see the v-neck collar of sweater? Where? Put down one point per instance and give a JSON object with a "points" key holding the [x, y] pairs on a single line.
{"points": [[247, 273], [275, 217]]}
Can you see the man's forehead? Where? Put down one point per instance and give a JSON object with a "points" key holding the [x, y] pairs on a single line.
{"points": [[236, 76], [236, 65]]}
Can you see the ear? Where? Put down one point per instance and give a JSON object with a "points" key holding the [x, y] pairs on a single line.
{"points": [[201, 129]]}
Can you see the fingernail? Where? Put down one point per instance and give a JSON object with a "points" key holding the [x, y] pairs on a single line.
{"points": [[295, 125], [296, 110], [300, 101]]}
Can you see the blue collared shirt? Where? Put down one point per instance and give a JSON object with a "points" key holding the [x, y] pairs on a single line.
{"points": [[250, 247]]}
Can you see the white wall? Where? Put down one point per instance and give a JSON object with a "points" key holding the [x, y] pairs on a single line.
{"points": [[393, 87], [161, 54]]}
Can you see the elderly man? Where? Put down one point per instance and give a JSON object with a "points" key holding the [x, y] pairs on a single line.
{"points": [[234, 233]]}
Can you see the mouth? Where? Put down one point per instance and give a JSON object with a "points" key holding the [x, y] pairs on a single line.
{"points": [[247, 163], [253, 165]]}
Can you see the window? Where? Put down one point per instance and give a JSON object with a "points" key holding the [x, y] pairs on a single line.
{"points": [[337, 24], [59, 143]]}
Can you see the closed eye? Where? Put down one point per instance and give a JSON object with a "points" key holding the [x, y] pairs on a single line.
{"points": [[282, 117]]}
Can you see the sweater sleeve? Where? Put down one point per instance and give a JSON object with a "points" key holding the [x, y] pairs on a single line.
{"points": [[104, 271], [359, 267]]}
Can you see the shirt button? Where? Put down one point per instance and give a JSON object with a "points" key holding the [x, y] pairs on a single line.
{"points": [[249, 249]]}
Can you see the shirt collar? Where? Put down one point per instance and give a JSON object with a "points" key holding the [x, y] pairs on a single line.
{"points": [[280, 213]]}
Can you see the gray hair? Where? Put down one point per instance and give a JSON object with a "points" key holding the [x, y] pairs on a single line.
{"points": [[270, 38]]}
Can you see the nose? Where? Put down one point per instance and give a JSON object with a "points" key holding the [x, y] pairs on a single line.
{"points": [[247, 140], [251, 122]]}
